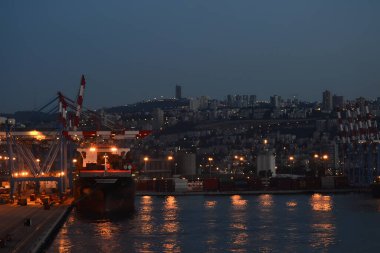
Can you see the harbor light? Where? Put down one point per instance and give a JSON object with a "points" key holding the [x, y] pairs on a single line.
{"points": [[146, 158], [316, 155], [325, 157], [170, 158], [291, 158]]}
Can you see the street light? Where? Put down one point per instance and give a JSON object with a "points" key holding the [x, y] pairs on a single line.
{"points": [[146, 159], [291, 159], [210, 159], [325, 158], [170, 158]]}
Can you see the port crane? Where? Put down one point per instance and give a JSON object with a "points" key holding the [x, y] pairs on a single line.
{"points": [[23, 163]]}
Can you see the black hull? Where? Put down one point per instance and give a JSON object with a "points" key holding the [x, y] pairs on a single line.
{"points": [[375, 189], [97, 199]]}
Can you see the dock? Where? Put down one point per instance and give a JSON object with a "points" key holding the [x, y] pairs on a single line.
{"points": [[29, 228]]}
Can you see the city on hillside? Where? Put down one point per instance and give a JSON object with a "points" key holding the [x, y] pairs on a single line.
{"points": [[238, 136]]}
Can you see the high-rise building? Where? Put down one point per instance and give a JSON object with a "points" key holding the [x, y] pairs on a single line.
{"points": [[275, 101], [252, 99], [338, 101], [326, 101], [178, 92]]}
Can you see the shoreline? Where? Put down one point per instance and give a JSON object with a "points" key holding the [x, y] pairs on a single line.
{"points": [[260, 192]]}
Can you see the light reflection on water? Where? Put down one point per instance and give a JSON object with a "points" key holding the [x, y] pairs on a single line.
{"points": [[145, 215], [321, 203], [323, 225], [238, 223], [171, 225]]}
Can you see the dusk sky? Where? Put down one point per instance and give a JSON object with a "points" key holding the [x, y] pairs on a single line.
{"points": [[136, 50]]}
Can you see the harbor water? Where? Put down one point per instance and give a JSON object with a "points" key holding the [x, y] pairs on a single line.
{"points": [[238, 223]]}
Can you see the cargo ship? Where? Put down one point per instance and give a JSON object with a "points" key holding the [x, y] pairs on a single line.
{"points": [[103, 182]]}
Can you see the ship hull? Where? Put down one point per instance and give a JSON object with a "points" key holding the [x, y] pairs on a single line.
{"points": [[104, 196], [375, 189]]}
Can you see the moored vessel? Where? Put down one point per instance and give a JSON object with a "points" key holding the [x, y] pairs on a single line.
{"points": [[104, 184]]}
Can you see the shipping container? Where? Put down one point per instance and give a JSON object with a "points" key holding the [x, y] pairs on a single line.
{"points": [[211, 184]]}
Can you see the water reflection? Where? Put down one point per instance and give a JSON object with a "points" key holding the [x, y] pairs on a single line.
{"points": [[146, 217], [210, 220], [106, 232], [103, 230], [171, 225], [170, 215], [323, 222], [322, 203], [266, 222], [210, 204], [291, 205], [64, 243], [171, 245], [266, 201], [323, 235], [238, 202], [238, 225]]}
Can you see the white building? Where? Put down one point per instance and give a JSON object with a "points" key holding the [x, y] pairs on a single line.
{"points": [[266, 163]]}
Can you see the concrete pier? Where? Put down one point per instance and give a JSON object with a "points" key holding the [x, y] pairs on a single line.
{"points": [[28, 228]]}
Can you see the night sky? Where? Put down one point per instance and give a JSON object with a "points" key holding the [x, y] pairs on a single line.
{"points": [[136, 50]]}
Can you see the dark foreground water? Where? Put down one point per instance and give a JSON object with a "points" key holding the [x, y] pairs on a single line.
{"points": [[265, 223]]}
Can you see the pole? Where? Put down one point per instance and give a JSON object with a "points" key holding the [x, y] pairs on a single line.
{"points": [[10, 154]]}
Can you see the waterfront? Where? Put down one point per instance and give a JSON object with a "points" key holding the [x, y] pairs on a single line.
{"points": [[264, 223]]}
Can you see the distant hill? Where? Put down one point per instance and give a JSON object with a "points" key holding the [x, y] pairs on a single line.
{"points": [[149, 106]]}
